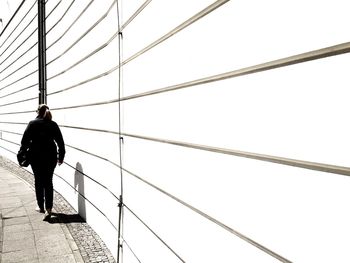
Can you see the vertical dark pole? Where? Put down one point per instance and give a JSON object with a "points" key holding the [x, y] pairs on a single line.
{"points": [[42, 51], [120, 246]]}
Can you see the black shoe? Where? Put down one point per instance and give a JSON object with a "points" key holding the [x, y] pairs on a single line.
{"points": [[47, 216]]}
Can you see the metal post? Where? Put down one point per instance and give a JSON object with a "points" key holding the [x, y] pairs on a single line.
{"points": [[42, 51], [120, 246]]}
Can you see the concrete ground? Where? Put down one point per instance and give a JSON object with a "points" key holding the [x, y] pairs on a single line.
{"points": [[25, 237]]}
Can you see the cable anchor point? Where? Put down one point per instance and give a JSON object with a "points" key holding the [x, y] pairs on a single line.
{"points": [[121, 203]]}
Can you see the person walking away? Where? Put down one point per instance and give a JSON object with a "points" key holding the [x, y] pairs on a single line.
{"points": [[43, 136]]}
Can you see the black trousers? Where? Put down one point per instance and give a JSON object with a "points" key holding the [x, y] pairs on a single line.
{"points": [[43, 173]]}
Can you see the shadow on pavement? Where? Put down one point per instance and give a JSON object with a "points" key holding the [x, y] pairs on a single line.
{"points": [[57, 218]]}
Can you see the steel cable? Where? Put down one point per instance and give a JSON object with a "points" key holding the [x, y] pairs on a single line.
{"points": [[61, 18], [18, 101], [133, 16], [19, 79], [92, 179], [71, 25], [133, 213], [12, 17], [8, 150], [12, 142], [16, 112], [25, 52], [53, 9], [155, 234], [11, 132], [83, 35], [20, 33], [177, 29], [19, 57], [20, 45], [116, 228], [17, 91], [18, 69], [99, 210], [26, 63]]}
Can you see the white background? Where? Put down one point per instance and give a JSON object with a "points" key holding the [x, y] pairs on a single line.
{"points": [[297, 112]]}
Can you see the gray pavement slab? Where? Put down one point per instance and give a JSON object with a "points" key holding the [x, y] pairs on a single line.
{"points": [[27, 255]]}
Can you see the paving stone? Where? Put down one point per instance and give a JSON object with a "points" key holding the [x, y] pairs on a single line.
{"points": [[9, 236], [19, 228], [69, 258], [38, 224], [10, 202], [5, 205], [17, 211], [19, 256], [48, 233], [5, 191], [16, 220], [20, 244], [52, 246]]}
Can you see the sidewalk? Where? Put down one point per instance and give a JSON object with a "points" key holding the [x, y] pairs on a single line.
{"points": [[25, 237]]}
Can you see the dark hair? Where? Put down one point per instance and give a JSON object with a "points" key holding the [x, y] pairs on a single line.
{"points": [[42, 110]]}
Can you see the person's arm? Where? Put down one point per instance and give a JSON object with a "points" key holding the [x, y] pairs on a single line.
{"points": [[26, 138], [60, 143]]}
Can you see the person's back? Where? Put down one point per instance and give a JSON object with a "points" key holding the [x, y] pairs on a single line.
{"points": [[44, 133]]}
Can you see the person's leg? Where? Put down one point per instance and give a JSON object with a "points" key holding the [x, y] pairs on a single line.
{"points": [[39, 192], [48, 186], [48, 191], [39, 187]]}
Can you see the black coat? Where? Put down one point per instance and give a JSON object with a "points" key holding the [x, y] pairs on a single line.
{"points": [[42, 136]]}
